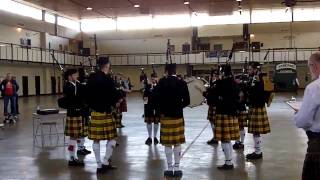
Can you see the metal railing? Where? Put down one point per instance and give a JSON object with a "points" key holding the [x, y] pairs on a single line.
{"points": [[275, 55], [20, 53]]}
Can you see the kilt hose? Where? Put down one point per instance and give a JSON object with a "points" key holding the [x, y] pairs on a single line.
{"points": [[171, 131], [102, 127], [226, 128], [311, 166], [258, 122], [211, 113], [74, 127], [243, 119]]}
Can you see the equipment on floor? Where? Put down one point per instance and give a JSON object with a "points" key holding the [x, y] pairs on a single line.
{"points": [[47, 111]]}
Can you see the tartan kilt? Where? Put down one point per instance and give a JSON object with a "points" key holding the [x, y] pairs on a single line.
{"points": [[74, 126], [311, 164], [243, 119], [84, 130], [211, 113], [258, 122], [102, 127], [172, 131], [117, 116], [226, 128]]}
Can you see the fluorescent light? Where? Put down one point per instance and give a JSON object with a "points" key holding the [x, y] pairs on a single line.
{"points": [[252, 35], [186, 2], [239, 0], [89, 8], [19, 29], [136, 6]]}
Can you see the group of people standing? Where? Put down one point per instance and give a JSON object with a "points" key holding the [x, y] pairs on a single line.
{"points": [[235, 103], [164, 100]]}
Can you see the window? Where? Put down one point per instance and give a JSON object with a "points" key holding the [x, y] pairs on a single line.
{"points": [[50, 18], [306, 14], [20, 9], [270, 15], [127, 23], [69, 23], [171, 21], [202, 19], [89, 25]]}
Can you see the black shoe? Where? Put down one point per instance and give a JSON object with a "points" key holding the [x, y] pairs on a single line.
{"points": [[225, 167], [121, 126], [178, 174], [254, 156], [108, 167], [168, 173], [83, 152], [238, 145], [212, 142], [148, 141], [117, 144], [75, 162], [155, 141], [12, 121]]}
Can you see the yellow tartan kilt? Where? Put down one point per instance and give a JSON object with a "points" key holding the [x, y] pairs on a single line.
{"points": [[153, 119], [84, 130], [258, 121], [117, 118], [102, 127], [73, 126], [226, 128], [211, 113], [172, 131], [243, 119]]}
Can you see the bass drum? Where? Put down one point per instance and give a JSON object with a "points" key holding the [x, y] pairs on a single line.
{"points": [[196, 88]]}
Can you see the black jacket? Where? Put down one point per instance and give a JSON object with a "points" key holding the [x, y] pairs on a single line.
{"points": [[171, 96], [256, 93], [73, 99], [211, 93], [227, 98], [150, 108], [101, 92]]}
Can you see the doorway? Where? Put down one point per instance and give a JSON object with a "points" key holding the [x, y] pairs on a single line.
{"points": [[25, 87], [53, 85], [37, 85]]}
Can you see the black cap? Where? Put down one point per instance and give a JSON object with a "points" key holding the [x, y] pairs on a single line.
{"points": [[103, 60], [171, 68], [255, 64]]}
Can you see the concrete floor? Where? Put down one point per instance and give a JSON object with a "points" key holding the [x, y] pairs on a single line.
{"points": [[284, 149]]}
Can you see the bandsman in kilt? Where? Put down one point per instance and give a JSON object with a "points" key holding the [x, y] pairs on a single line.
{"points": [[74, 127], [258, 122], [101, 96], [308, 118], [118, 111], [172, 95], [226, 122], [151, 114], [210, 96], [242, 114]]}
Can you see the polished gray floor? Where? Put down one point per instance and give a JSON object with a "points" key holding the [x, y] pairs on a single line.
{"points": [[284, 149]]}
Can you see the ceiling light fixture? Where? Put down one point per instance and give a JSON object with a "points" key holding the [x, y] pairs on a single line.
{"points": [[136, 5], [252, 35], [19, 29], [89, 8], [239, 0], [186, 2]]}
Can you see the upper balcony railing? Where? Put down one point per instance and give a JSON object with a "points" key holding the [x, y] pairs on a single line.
{"points": [[19, 53], [27, 54]]}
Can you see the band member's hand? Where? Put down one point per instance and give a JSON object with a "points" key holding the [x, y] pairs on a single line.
{"points": [[145, 98]]}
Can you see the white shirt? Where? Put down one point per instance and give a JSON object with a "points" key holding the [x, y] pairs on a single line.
{"points": [[308, 116]]}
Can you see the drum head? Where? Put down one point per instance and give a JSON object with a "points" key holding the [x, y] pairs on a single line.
{"points": [[196, 89]]}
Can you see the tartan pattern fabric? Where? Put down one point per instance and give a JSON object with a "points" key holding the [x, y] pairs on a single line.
{"points": [[226, 128], [73, 126], [117, 115], [211, 113], [84, 130], [258, 122], [172, 131], [243, 119], [102, 127], [123, 106]]}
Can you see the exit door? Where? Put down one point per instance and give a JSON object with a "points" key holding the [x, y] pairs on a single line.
{"points": [[25, 87], [37, 85]]}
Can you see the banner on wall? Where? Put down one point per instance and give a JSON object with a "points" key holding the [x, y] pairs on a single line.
{"points": [[285, 77]]}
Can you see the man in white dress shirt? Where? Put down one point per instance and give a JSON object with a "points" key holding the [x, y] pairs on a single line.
{"points": [[308, 118]]}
